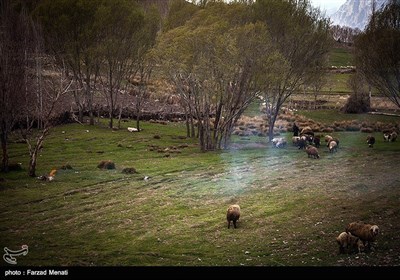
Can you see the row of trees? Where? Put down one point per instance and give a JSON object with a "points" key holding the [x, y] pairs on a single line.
{"points": [[219, 56], [223, 56], [51, 48], [377, 53]]}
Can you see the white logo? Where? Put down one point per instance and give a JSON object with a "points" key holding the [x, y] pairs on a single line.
{"points": [[10, 255]]}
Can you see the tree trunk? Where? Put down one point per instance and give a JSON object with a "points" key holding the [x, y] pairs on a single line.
{"points": [[89, 97], [80, 114], [32, 163], [271, 123], [4, 148], [119, 117], [138, 104], [111, 111], [33, 152], [187, 122]]}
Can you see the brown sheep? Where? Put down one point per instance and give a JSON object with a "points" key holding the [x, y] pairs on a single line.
{"points": [[312, 151], [366, 232], [233, 214], [347, 242]]}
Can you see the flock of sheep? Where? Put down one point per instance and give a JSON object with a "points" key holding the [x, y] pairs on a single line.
{"points": [[310, 142], [357, 236]]}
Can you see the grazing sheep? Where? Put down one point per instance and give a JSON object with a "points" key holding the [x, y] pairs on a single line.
{"points": [[389, 136], [302, 143], [332, 146], [366, 232], [132, 129], [295, 140], [233, 214], [393, 136], [307, 130], [312, 151], [279, 142], [347, 242], [370, 141], [329, 138]]}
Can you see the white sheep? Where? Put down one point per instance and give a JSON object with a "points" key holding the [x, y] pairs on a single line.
{"points": [[279, 142], [332, 146]]}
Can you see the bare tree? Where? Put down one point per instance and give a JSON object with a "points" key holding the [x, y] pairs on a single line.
{"points": [[73, 35], [55, 84], [302, 41], [214, 69], [15, 37], [344, 34]]}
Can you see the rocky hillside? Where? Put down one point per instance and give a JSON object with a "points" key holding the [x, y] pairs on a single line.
{"points": [[355, 13]]}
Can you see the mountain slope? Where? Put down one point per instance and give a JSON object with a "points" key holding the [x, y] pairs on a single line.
{"points": [[355, 13]]}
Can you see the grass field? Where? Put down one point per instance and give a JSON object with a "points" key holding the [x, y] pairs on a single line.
{"points": [[341, 57], [293, 206], [330, 116]]}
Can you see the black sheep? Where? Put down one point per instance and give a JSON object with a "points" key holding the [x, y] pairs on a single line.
{"points": [[370, 141]]}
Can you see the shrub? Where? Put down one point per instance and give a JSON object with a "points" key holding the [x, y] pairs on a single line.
{"points": [[357, 103], [106, 164], [129, 170], [65, 167]]}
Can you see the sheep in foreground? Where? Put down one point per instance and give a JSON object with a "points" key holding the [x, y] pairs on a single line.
{"points": [[366, 232], [348, 242], [233, 214], [312, 151]]}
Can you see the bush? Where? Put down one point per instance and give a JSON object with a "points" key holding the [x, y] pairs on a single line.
{"points": [[65, 167], [129, 170], [367, 129], [14, 166], [357, 103], [106, 164]]}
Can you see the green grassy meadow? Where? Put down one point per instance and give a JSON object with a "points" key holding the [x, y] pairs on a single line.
{"points": [[293, 206], [341, 56]]}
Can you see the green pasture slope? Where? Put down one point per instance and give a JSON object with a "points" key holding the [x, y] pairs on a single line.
{"points": [[341, 57], [337, 83], [293, 207]]}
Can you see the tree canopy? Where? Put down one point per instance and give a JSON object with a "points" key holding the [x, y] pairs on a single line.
{"points": [[377, 53]]}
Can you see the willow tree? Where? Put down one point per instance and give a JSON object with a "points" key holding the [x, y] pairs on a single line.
{"points": [[213, 60], [377, 53], [301, 37]]}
